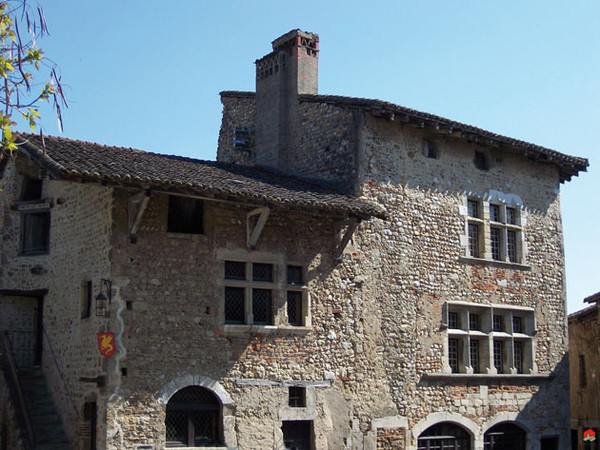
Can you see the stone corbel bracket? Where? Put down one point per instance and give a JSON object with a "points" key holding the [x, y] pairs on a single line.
{"points": [[253, 232], [343, 237], [136, 207]]}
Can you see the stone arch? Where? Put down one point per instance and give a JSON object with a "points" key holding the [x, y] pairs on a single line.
{"points": [[194, 380], [187, 380], [468, 425], [513, 418]]}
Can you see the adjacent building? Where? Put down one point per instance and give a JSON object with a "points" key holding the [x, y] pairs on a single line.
{"points": [[349, 274], [584, 355]]}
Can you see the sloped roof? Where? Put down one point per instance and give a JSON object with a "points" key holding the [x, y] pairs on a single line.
{"points": [[568, 165], [583, 313], [79, 160]]}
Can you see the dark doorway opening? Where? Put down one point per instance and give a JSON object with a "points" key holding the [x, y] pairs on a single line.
{"points": [[298, 434], [549, 443]]}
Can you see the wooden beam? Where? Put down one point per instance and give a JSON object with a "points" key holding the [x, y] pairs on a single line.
{"points": [[137, 207], [252, 234], [350, 225]]}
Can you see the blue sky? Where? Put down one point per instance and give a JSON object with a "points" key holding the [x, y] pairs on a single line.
{"points": [[147, 74]]}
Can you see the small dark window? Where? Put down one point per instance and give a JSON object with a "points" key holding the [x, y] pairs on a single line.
{"points": [[495, 243], [474, 353], [453, 356], [35, 232], [235, 270], [499, 356], [511, 216], [31, 189], [518, 356], [242, 138], [511, 245], [235, 310], [517, 325], [430, 150], [480, 161], [262, 308], [86, 299], [262, 272], [186, 215], [453, 321], [474, 322], [474, 240], [473, 206], [294, 308], [498, 324], [582, 374], [297, 396], [495, 213], [294, 275]]}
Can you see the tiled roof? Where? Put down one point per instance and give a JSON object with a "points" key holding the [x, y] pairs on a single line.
{"points": [[73, 159], [568, 165], [592, 298], [583, 313]]}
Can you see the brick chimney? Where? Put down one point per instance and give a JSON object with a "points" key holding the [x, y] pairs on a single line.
{"points": [[290, 69]]}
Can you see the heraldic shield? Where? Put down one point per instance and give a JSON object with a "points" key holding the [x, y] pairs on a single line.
{"points": [[106, 344]]}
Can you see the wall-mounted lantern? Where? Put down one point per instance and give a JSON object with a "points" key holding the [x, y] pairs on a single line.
{"points": [[102, 301]]}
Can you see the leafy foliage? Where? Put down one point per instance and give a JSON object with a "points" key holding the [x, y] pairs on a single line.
{"points": [[22, 65]]}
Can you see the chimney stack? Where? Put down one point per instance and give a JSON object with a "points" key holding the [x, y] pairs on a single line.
{"points": [[289, 70]]}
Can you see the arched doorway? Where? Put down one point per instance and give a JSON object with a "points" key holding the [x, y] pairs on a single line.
{"points": [[444, 436], [504, 436], [193, 418]]}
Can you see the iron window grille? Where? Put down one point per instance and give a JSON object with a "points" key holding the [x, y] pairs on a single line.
{"points": [[193, 418], [444, 436]]}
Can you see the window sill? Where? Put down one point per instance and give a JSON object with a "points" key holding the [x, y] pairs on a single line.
{"points": [[493, 263], [484, 377], [264, 329], [34, 253], [186, 236]]}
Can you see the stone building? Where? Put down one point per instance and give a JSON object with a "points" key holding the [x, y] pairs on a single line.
{"points": [[349, 274], [584, 360]]}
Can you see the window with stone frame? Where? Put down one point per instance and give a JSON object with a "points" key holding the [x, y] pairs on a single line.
{"points": [[494, 231], [35, 218], [257, 293], [35, 231], [489, 339]]}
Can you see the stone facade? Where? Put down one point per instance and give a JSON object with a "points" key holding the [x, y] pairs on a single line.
{"points": [[584, 345], [367, 343]]}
